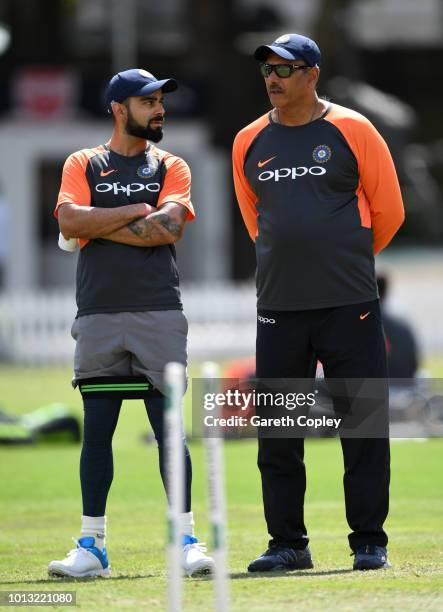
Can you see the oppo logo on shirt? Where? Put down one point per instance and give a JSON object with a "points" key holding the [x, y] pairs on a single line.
{"points": [[291, 173], [266, 320], [127, 189]]}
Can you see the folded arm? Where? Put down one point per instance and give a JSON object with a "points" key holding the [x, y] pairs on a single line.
{"points": [[164, 226], [89, 222]]}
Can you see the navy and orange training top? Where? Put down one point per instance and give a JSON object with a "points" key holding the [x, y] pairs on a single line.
{"points": [[113, 277], [319, 200]]}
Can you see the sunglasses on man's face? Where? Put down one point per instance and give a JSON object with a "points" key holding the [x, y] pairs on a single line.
{"points": [[281, 70]]}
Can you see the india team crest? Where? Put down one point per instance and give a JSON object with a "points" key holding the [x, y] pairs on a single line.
{"points": [[147, 170], [321, 154]]}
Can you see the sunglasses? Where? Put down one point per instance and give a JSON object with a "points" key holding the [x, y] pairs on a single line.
{"points": [[281, 70]]}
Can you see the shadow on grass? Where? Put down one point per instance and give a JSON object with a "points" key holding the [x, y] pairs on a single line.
{"points": [[204, 578], [283, 574], [68, 580]]}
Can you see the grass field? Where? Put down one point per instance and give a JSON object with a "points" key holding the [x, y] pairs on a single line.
{"points": [[40, 511]]}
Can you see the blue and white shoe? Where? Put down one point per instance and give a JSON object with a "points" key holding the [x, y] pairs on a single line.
{"points": [[195, 562], [83, 561]]}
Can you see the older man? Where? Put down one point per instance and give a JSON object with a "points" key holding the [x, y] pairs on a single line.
{"points": [[319, 197]]}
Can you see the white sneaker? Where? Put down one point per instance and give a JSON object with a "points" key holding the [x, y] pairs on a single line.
{"points": [[84, 560], [195, 562]]}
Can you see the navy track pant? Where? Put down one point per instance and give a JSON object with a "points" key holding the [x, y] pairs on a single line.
{"points": [[350, 344]]}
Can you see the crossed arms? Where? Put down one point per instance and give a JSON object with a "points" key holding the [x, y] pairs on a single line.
{"points": [[134, 224]]}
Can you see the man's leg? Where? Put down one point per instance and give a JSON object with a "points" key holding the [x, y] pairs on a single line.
{"points": [[154, 339], [350, 343], [96, 473], [155, 407], [283, 351], [96, 460], [195, 561]]}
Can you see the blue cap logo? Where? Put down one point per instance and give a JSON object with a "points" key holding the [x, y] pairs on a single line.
{"points": [[321, 154], [282, 40], [146, 74]]}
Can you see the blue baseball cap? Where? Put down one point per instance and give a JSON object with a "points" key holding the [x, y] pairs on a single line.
{"points": [[135, 82], [291, 47]]}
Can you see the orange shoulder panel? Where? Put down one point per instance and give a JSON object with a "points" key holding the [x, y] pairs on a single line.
{"points": [[245, 195], [74, 187], [177, 183], [379, 197]]}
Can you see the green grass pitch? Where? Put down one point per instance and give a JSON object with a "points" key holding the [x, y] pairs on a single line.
{"points": [[40, 511]]}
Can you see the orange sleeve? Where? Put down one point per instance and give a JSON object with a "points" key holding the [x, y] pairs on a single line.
{"points": [[74, 187], [177, 184], [378, 178], [246, 197]]}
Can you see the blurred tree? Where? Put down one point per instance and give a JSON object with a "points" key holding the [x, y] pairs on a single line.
{"points": [[227, 75], [339, 54], [37, 35], [215, 59]]}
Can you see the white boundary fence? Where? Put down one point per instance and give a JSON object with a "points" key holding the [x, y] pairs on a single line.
{"points": [[35, 325]]}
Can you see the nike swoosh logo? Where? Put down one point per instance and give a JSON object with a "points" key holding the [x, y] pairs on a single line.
{"points": [[363, 316], [263, 163], [103, 173]]}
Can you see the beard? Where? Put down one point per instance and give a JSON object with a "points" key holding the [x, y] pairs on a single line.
{"points": [[133, 128]]}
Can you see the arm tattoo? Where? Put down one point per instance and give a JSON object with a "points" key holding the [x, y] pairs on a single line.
{"points": [[169, 224], [145, 229], [135, 227], [150, 228]]}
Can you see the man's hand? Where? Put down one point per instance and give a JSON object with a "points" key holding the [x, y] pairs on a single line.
{"points": [[164, 226], [90, 222]]}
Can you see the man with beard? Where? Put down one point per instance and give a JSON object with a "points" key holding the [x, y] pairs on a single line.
{"points": [[126, 202], [319, 196]]}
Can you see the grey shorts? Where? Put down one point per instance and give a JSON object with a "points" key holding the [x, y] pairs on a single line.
{"points": [[129, 344]]}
